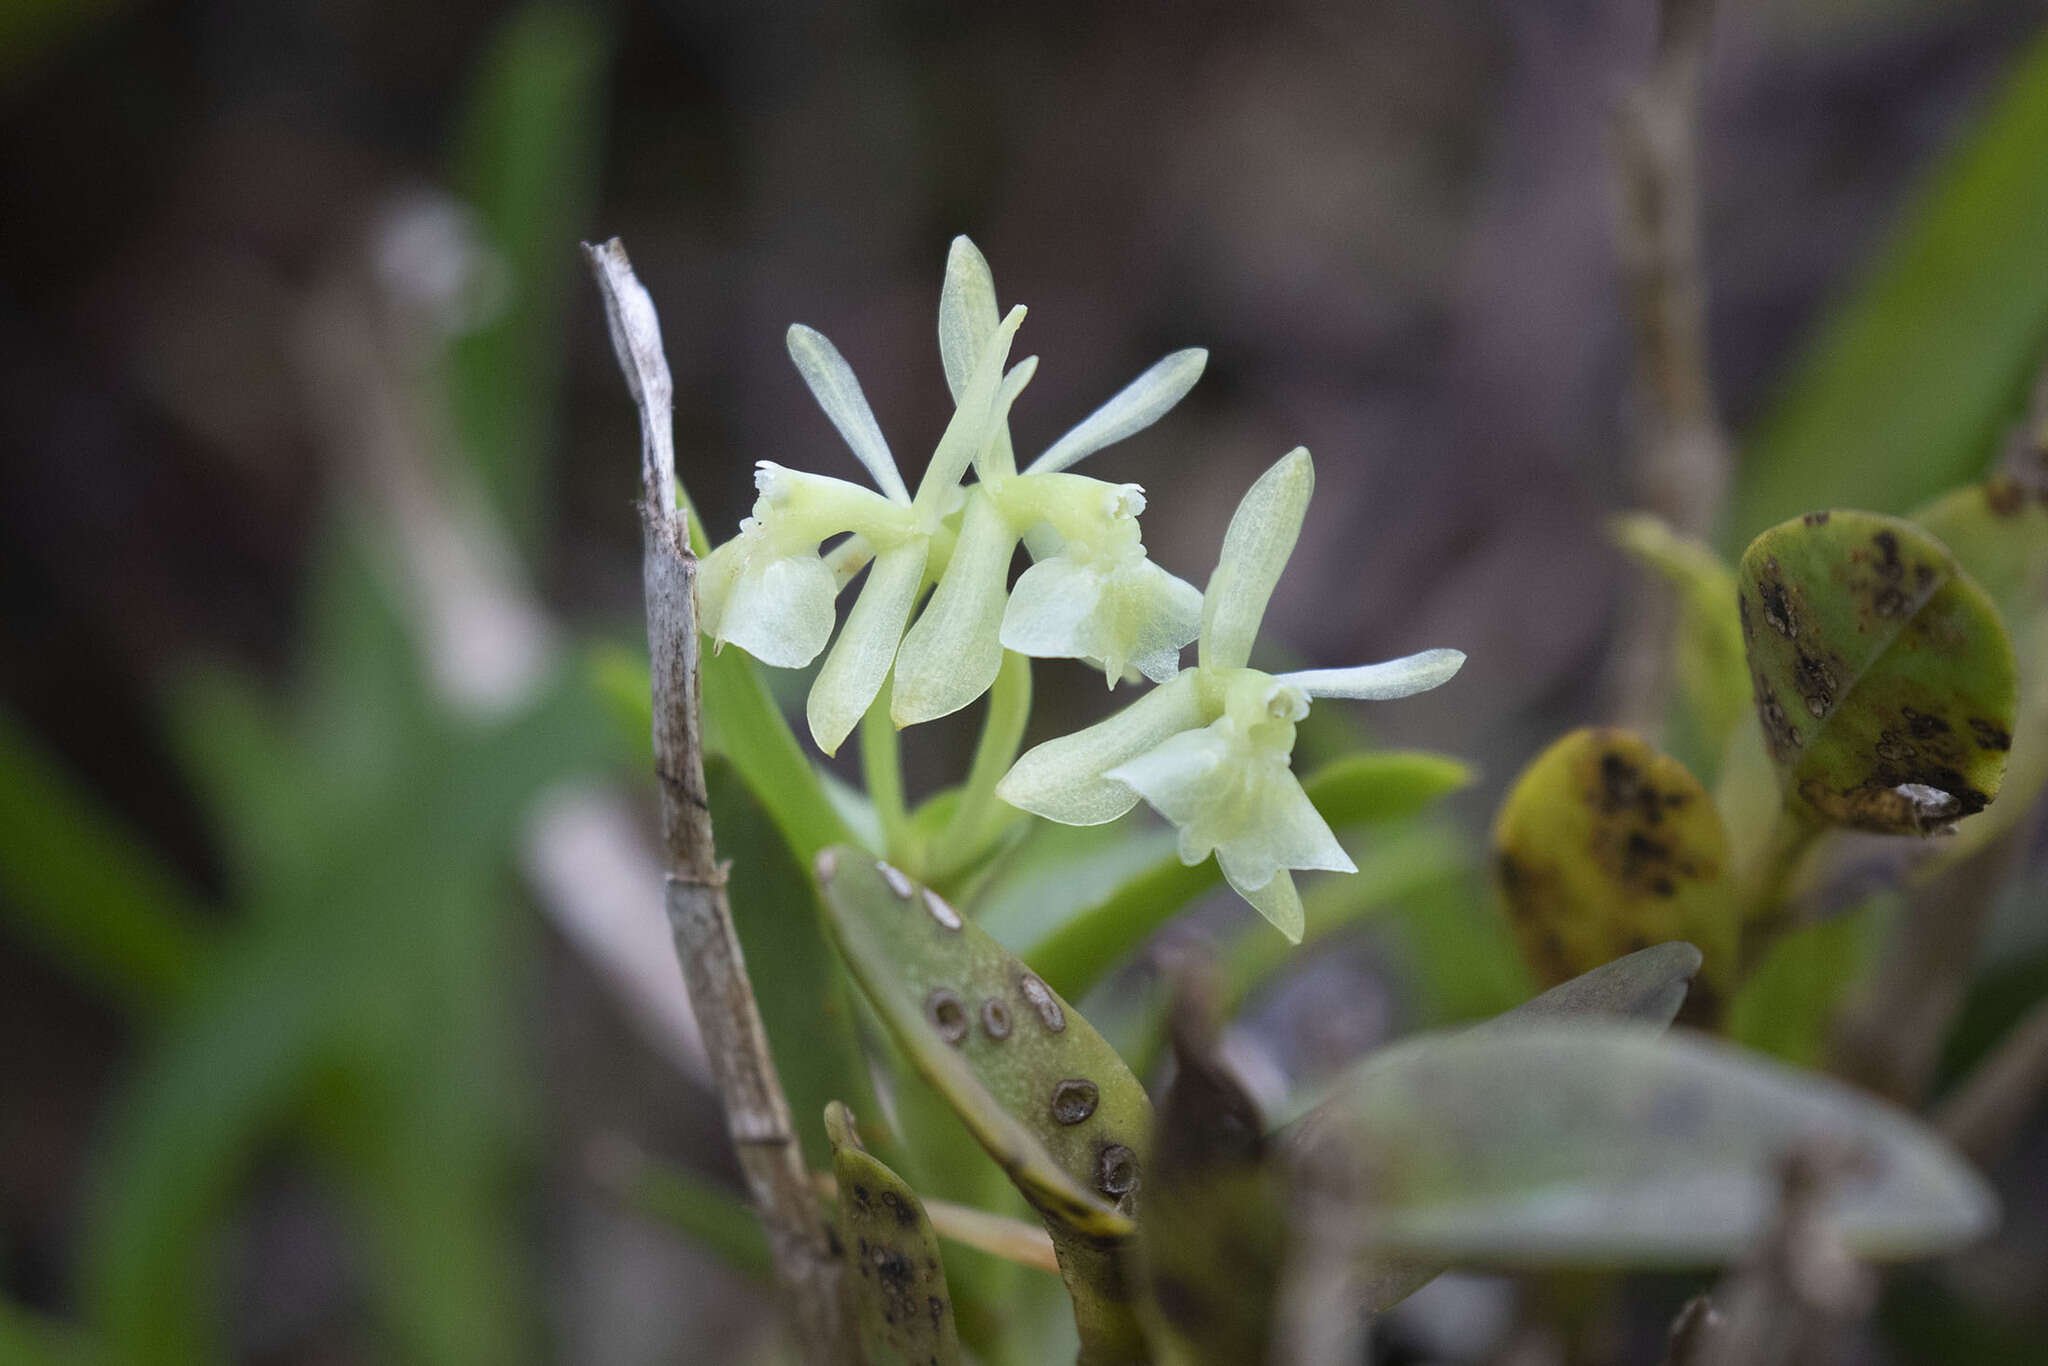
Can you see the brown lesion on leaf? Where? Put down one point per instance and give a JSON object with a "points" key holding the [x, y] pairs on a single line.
{"points": [[1990, 735], [1780, 734], [1815, 518], [1817, 680], [2005, 496], [1781, 614]]}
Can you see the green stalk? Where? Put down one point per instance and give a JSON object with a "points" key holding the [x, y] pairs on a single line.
{"points": [[980, 817], [881, 767]]}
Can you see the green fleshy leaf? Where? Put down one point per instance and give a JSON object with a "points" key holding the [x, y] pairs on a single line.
{"points": [[1606, 1144], [1050, 1101], [894, 1279], [1882, 675], [1605, 846], [1357, 790]]}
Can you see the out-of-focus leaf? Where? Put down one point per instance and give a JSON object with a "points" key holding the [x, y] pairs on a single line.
{"points": [[1787, 1004], [31, 1340], [1648, 985], [525, 161], [1604, 1143], [85, 890], [1712, 677], [1605, 846], [1908, 388], [710, 1217], [1999, 535], [1361, 789], [798, 983], [1050, 1101], [1214, 1234], [1883, 677], [901, 1308]]}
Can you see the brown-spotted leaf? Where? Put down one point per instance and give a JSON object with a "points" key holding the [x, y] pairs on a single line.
{"points": [[1998, 532], [1604, 847], [895, 1284], [1883, 677], [1034, 1083]]}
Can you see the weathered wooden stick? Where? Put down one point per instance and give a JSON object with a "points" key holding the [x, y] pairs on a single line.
{"points": [[757, 1115]]}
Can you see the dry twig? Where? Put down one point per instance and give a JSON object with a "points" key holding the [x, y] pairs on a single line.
{"points": [[757, 1114]]}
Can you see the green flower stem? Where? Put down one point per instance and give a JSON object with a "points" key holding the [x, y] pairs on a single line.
{"points": [[979, 817], [881, 768], [1766, 886]]}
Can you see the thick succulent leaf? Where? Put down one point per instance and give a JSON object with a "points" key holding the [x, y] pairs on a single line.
{"points": [[1261, 536], [1882, 675], [854, 672], [1214, 1234], [1135, 407], [1648, 985], [1999, 535], [952, 653], [1605, 846], [1604, 1143], [838, 392], [1647, 988], [895, 1283], [1037, 1086], [1063, 780], [1712, 675]]}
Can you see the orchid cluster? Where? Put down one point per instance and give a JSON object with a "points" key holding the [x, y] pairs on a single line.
{"points": [[1210, 748]]}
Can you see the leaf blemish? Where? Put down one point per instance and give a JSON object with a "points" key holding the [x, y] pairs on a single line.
{"points": [[947, 1015], [1074, 1100]]}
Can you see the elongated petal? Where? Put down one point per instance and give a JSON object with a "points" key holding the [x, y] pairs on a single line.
{"points": [[1062, 780], [1403, 677], [860, 658], [1137, 406], [833, 384], [967, 313], [998, 459], [950, 657], [1255, 550], [781, 612], [1277, 901], [968, 431]]}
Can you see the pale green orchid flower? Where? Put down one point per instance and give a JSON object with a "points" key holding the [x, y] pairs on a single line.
{"points": [[1093, 594], [1211, 749], [770, 591]]}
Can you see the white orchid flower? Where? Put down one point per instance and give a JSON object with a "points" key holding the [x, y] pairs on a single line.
{"points": [[1093, 594], [1211, 749]]}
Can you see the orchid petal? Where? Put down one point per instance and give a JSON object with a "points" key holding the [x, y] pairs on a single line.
{"points": [[780, 610], [951, 655], [1062, 780], [997, 460], [1403, 677], [1255, 549], [1137, 406], [838, 392], [968, 431], [1278, 901], [967, 313], [1114, 613], [853, 673], [1049, 609]]}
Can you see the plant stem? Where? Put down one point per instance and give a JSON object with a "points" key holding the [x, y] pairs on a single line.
{"points": [[979, 816], [1767, 884], [757, 1114], [881, 768]]}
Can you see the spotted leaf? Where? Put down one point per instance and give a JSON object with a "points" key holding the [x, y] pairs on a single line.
{"points": [[1603, 847], [1882, 675], [1042, 1092], [896, 1285]]}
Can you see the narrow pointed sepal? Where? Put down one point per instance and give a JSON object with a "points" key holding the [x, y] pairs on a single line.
{"points": [[1137, 406], [1278, 901], [853, 673], [838, 392], [1255, 549], [1402, 677], [952, 654]]}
